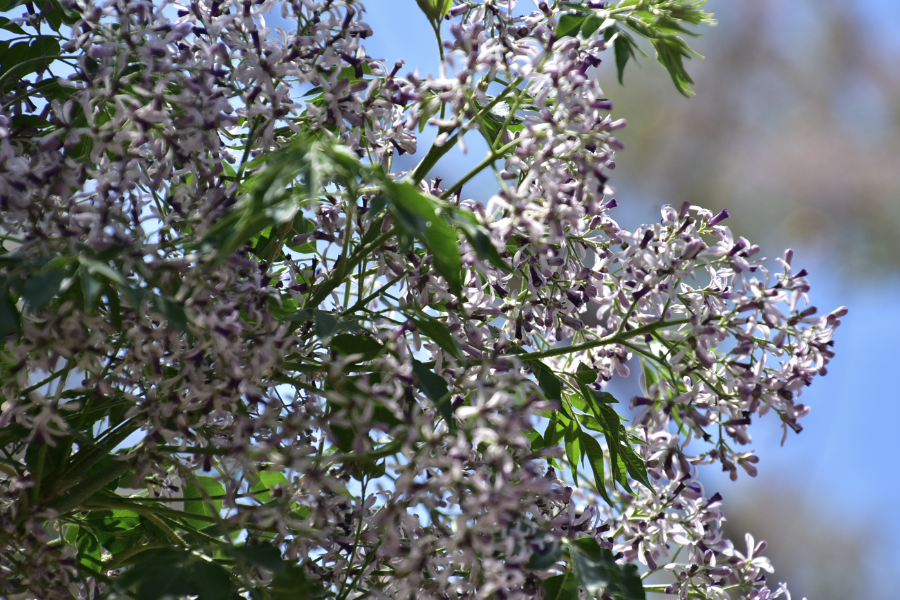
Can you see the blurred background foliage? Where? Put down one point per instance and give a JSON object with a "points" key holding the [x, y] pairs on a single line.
{"points": [[795, 128]]}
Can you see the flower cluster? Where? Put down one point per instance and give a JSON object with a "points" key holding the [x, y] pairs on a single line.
{"points": [[237, 346]]}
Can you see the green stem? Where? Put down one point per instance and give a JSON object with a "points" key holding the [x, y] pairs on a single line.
{"points": [[117, 560], [361, 303], [435, 153], [492, 156], [337, 277], [614, 338]]}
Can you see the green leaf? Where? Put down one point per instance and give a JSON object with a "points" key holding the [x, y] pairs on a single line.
{"points": [[294, 585], [537, 440], [264, 555], [548, 381], [437, 332], [89, 552], [634, 464], [599, 573], [435, 9], [171, 311], [435, 388], [9, 315], [594, 453], [326, 324], [561, 587], [162, 573], [347, 344], [90, 289], [546, 378], [41, 288], [479, 238], [11, 27], [573, 446], [585, 374], [609, 420], [300, 226], [212, 487], [548, 555], [415, 213], [624, 50], [569, 25], [553, 431], [266, 480]]}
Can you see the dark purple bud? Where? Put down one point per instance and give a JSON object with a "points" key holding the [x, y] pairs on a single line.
{"points": [[611, 204], [641, 293], [692, 250], [719, 217], [536, 279], [684, 209], [602, 104], [808, 312], [648, 235], [801, 273], [458, 10], [737, 247]]}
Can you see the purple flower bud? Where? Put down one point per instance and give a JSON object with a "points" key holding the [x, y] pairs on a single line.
{"points": [[458, 10], [719, 217], [611, 204], [685, 206]]}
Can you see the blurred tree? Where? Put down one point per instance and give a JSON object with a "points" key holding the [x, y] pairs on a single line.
{"points": [[796, 121], [824, 554]]}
